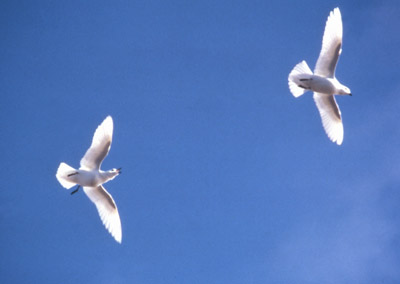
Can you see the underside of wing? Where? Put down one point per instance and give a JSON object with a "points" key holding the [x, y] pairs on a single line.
{"points": [[101, 144], [331, 117], [107, 210], [331, 45]]}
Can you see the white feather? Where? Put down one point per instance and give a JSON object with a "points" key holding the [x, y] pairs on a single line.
{"points": [[62, 175], [299, 71], [100, 146], [331, 45], [107, 210], [330, 116]]}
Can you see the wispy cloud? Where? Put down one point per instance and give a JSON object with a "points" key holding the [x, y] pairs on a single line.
{"points": [[354, 248]]}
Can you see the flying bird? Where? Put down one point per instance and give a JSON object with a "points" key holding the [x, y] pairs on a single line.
{"points": [[92, 178], [323, 81]]}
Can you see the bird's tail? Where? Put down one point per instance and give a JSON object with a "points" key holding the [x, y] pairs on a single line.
{"points": [[63, 173], [300, 72]]}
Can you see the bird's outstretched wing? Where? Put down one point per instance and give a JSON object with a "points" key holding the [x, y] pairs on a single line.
{"points": [[331, 45], [101, 144], [331, 117], [107, 210]]}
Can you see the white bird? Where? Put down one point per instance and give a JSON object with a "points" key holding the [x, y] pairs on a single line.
{"points": [[91, 178], [323, 82]]}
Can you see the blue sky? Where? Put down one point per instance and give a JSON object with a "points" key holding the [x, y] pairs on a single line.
{"points": [[227, 178]]}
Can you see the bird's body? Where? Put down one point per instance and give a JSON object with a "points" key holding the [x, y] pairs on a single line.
{"points": [[319, 84], [91, 178], [323, 81]]}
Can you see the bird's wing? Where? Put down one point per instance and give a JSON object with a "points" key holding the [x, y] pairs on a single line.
{"points": [[107, 210], [331, 117], [101, 144], [331, 45]]}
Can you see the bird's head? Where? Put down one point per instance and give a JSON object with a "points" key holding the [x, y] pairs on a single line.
{"points": [[118, 171], [344, 91], [111, 174]]}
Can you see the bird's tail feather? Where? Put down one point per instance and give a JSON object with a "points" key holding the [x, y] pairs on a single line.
{"points": [[62, 175], [300, 71]]}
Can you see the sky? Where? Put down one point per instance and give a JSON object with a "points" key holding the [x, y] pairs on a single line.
{"points": [[227, 178]]}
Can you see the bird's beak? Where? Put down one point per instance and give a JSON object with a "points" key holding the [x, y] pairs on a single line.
{"points": [[350, 94]]}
